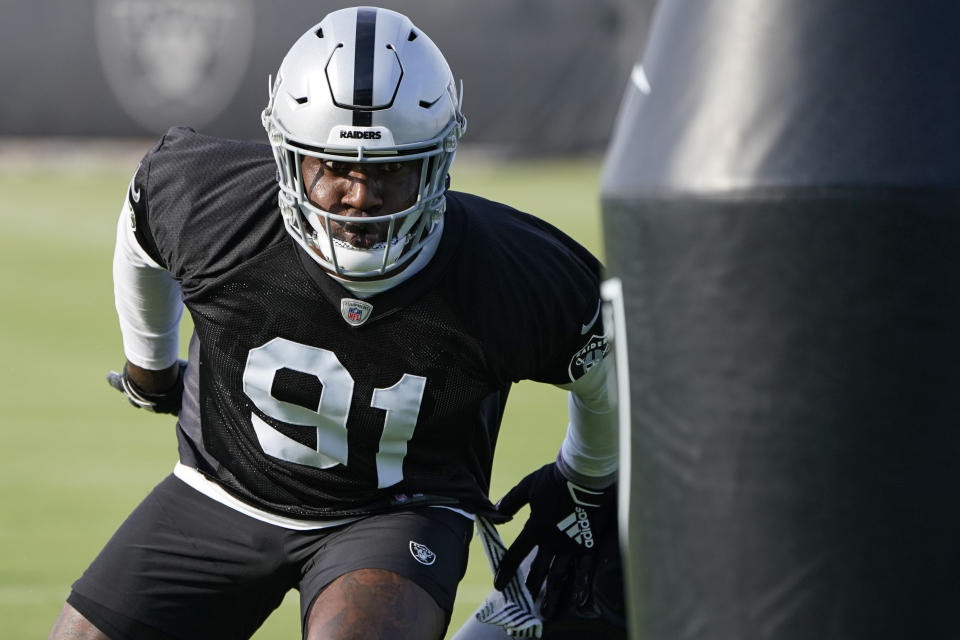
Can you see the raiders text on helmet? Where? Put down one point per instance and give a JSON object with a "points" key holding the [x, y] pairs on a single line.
{"points": [[366, 135], [364, 86]]}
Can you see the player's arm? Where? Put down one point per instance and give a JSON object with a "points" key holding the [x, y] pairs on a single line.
{"points": [[149, 307], [153, 381], [573, 498], [589, 453], [572, 504]]}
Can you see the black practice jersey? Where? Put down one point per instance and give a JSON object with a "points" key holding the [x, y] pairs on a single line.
{"points": [[297, 411]]}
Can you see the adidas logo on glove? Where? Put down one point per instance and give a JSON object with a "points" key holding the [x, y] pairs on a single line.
{"points": [[577, 526]]}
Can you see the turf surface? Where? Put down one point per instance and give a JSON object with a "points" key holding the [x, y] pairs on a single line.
{"points": [[75, 458]]}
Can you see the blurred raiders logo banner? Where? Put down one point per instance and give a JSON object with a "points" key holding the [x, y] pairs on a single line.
{"points": [[174, 62]]}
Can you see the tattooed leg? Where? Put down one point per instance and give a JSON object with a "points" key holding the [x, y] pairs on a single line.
{"points": [[71, 625], [374, 603]]}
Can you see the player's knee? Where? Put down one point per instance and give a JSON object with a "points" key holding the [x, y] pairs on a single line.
{"points": [[71, 625], [374, 603]]}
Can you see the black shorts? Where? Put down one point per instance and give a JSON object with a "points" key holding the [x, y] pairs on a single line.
{"points": [[185, 566]]}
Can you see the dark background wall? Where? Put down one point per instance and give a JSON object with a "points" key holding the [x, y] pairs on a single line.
{"points": [[540, 76]]}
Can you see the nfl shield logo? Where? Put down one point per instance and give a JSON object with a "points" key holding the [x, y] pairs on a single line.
{"points": [[355, 312], [422, 554]]}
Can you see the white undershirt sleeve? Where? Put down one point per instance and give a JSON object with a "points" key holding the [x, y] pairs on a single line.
{"points": [[589, 453], [148, 300]]}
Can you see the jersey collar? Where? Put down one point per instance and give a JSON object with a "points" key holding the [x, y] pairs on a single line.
{"points": [[403, 291]]}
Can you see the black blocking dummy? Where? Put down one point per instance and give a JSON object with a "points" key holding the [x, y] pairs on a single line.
{"points": [[781, 200]]}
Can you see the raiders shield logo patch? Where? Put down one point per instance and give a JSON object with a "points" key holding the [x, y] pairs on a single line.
{"points": [[169, 60], [421, 553], [589, 354], [355, 312]]}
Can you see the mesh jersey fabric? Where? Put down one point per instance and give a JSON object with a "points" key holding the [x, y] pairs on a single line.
{"points": [[504, 298]]}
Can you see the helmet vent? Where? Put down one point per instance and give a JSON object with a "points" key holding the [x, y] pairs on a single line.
{"points": [[412, 36], [319, 32], [302, 100], [427, 105]]}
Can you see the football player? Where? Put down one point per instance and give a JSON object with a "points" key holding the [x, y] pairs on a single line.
{"points": [[357, 330]]}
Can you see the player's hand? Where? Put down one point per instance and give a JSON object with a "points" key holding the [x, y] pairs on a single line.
{"points": [[565, 520], [568, 584], [584, 591], [166, 402]]}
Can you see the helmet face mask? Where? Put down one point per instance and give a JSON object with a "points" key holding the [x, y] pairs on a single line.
{"points": [[365, 89]]}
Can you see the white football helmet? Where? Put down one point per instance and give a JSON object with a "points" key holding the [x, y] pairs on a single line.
{"points": [[364, 86]]}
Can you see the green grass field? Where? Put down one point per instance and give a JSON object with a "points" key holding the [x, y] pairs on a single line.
{"points": [[75, 458]]}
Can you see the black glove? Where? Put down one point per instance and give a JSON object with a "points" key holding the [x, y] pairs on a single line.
{"points": [[166, 402], [585, 592], [564, 521]]}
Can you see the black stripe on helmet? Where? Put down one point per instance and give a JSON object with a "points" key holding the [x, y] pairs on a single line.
{"points": [[363, 65]]}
